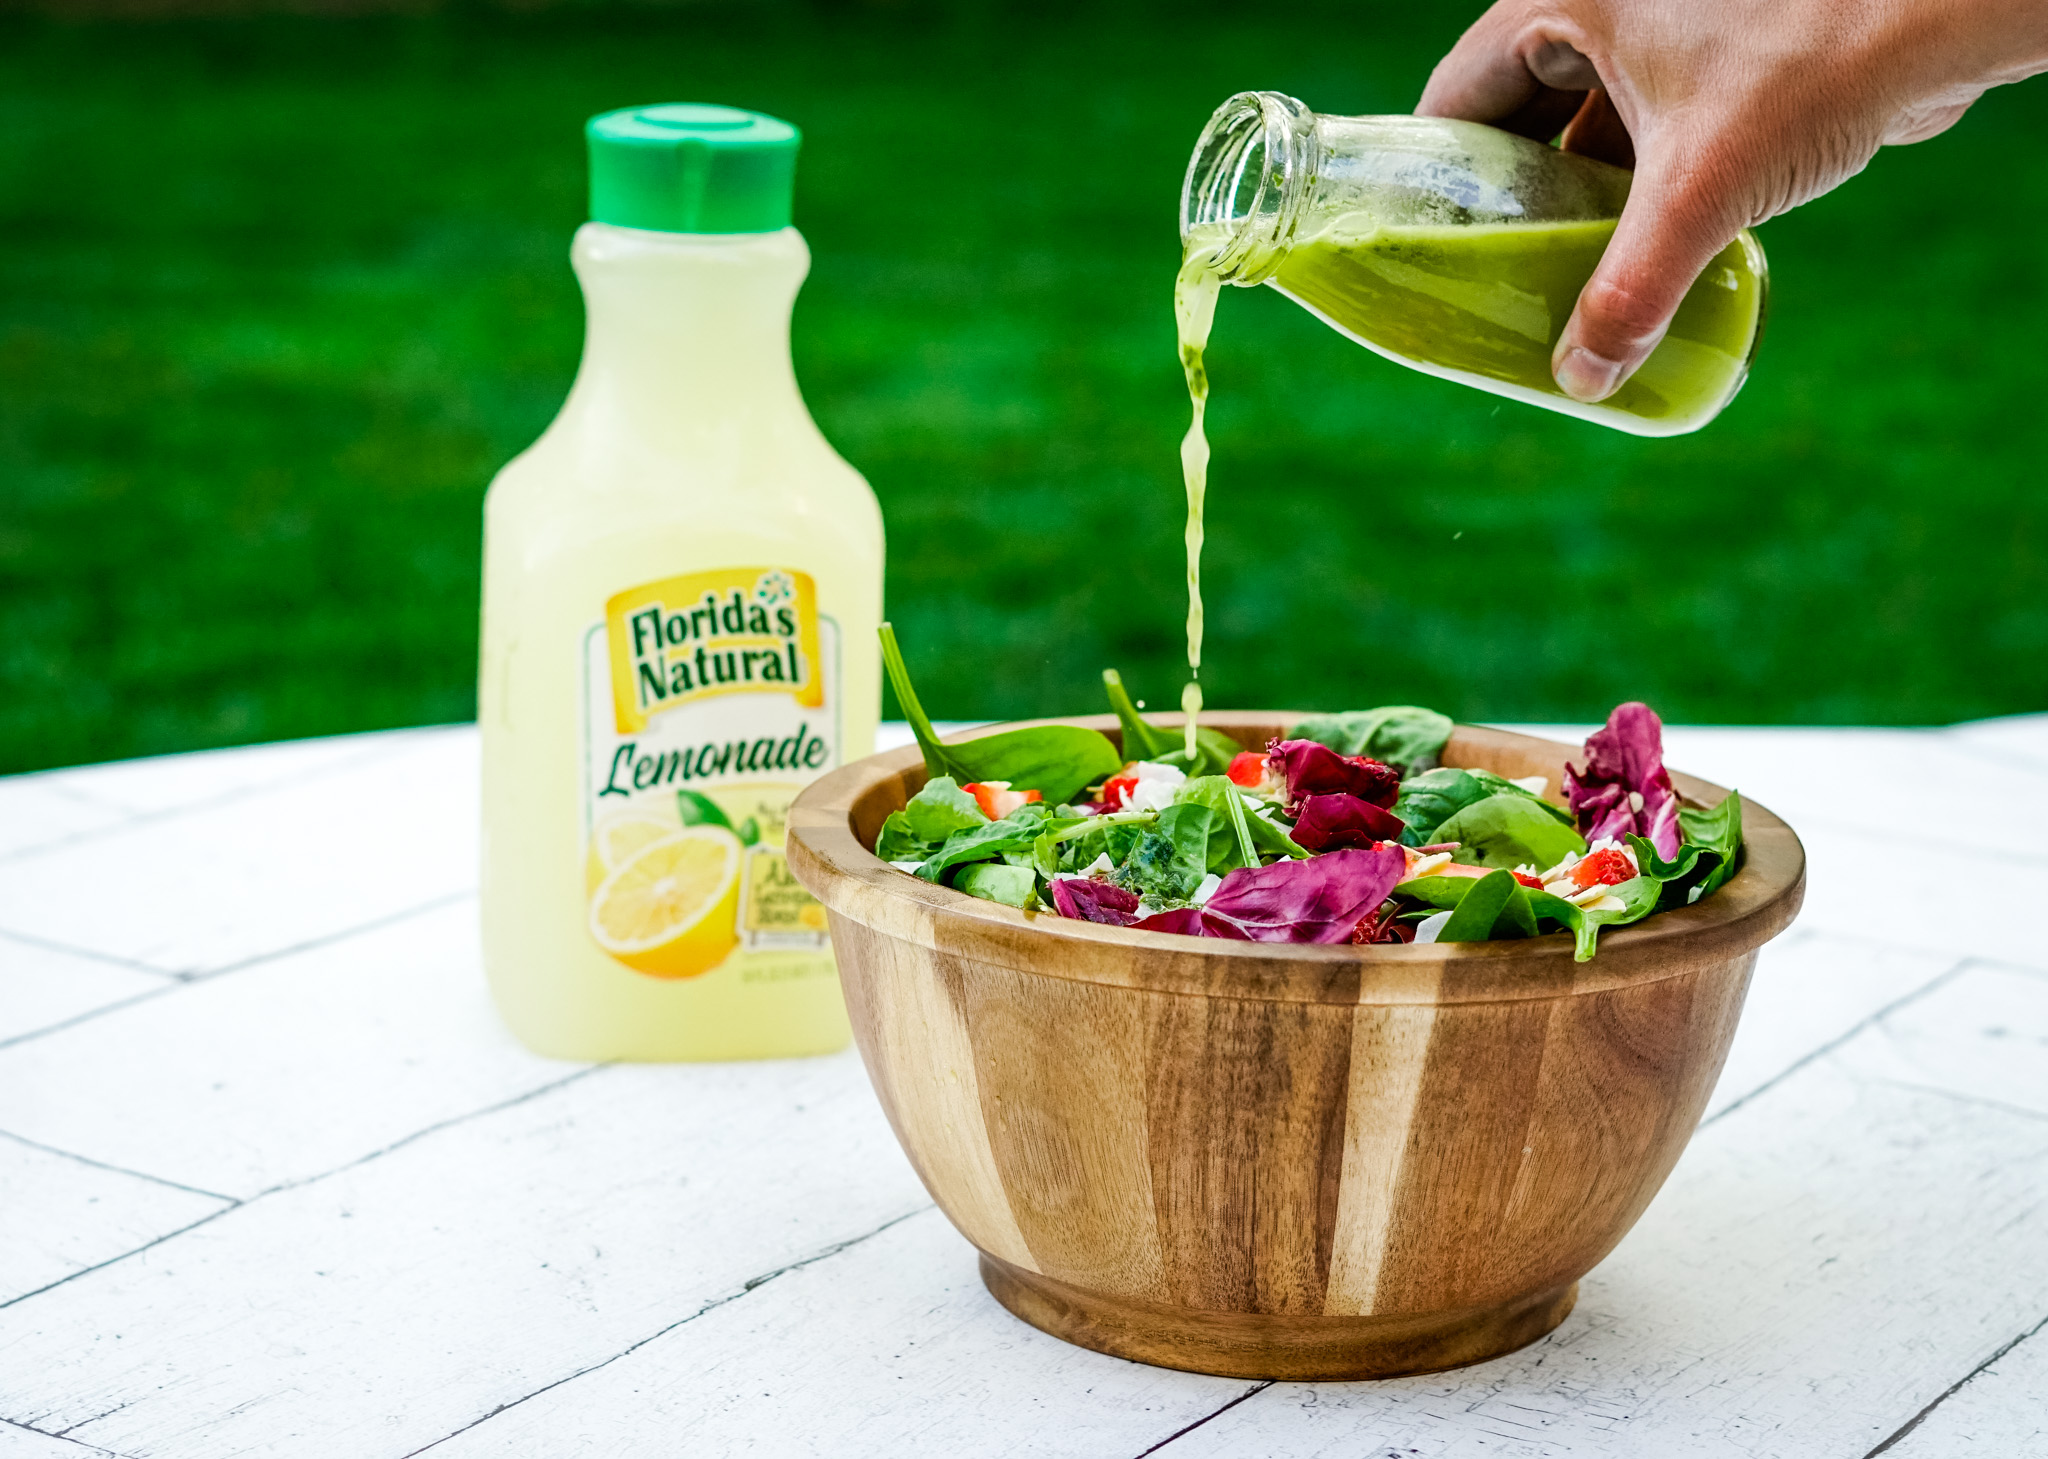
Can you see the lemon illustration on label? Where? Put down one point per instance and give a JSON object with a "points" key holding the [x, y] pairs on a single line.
{"points": [[670, 909], [620, 839]]}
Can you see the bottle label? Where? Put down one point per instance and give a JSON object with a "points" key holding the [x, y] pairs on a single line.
{"points": [[710, 700]]}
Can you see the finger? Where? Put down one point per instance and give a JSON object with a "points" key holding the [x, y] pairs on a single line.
{"points": [[1483, 78], [1676, 220], [1597, 130], [1498, 74]]}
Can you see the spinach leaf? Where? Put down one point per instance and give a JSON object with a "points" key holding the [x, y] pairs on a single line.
{"points": [[1195, 831], [1165, 867], [1718, 831], [1226, 850], [1056, 760], [1112, 836], [933, 814], [1508, 829], [1404, 736], [1480, 908], [1015, 832], [1638, 895], [1501, 785], [1440, 892], [939, 809], [1711, 853], [993, 881], [1523, 911], [1433, 797], [1214, 750]]}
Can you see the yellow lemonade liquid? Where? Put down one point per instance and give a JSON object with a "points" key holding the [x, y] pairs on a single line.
{"points": [[681, 591], [1485, 304]]}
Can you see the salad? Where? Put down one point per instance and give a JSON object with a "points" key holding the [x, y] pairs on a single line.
{"points": [[1349, 831]]}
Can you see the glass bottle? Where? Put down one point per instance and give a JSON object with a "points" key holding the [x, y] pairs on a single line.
{"points": [[1455, 249]]}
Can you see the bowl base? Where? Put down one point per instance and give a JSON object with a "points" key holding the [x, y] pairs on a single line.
{"points": [[1259, 1345]]}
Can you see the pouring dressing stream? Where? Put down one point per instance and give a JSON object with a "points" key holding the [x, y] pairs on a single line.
{"points": [[1194, 309]]}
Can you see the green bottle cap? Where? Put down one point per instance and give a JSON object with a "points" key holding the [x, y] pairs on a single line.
{"points": [[683, 168]]}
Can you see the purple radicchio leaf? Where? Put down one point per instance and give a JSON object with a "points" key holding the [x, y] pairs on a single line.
{"points": [[1189, 922], [1625, 789], [1094, 901], [1315, 769], [1332, 822], [1317, 900]]}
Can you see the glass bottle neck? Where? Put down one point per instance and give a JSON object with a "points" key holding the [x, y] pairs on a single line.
{"points": [[1248, 184]]}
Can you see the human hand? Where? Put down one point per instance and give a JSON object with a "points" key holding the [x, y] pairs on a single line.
{"points": [[1730, 111]]}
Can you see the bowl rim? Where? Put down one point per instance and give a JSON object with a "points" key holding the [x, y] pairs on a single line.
{"points": [[828, 858]]}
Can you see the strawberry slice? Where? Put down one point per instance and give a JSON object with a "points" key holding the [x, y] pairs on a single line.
{"points": [[1118, 789], [1608, 867], [1248, 769], [997, 800]]}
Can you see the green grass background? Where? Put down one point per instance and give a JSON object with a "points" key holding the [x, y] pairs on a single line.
{"points": [[278, 295]]}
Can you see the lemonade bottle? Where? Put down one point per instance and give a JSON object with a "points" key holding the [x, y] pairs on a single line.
{"points": [[682, 583]]}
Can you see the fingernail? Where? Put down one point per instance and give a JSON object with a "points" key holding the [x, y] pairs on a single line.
{"points": [[1585, 376]]}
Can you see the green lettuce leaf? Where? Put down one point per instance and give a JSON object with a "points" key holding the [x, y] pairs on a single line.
{"points": [[1483, 906], [1508, 829], [1018, 831], [1717, 830], [1519, 911], [1226, 852], [1404, 736], [1638, 895], [933, 814], [994, 881], [1168, 862], [1078, 848], [1433, 797], [1058, 761]]}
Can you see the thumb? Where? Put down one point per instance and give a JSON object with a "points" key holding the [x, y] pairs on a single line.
{"points": [[1677, 218]]}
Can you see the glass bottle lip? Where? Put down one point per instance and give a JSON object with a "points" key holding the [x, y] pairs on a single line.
{"points": [[1251, 170]]}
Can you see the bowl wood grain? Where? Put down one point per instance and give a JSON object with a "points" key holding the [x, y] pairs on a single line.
{"points": [[1279, 1161]]}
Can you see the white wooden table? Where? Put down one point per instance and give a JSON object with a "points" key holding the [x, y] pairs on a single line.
{"points": [[273, 1181]]}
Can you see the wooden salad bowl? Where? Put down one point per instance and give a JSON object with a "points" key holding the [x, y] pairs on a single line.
{"points": [[1283, 1161]]}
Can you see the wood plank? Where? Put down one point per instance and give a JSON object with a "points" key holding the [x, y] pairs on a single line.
{"points": [[160, 784], [1846, 780], [2000, 1413], [1852, 889], [1794, 1291], [281, 1071], [261, 873], [374, 1311], [38, 810], [1982, 1034], [888, 1348], [59, 1216], [20, 1443], [1811, 989], [41, 987]]}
